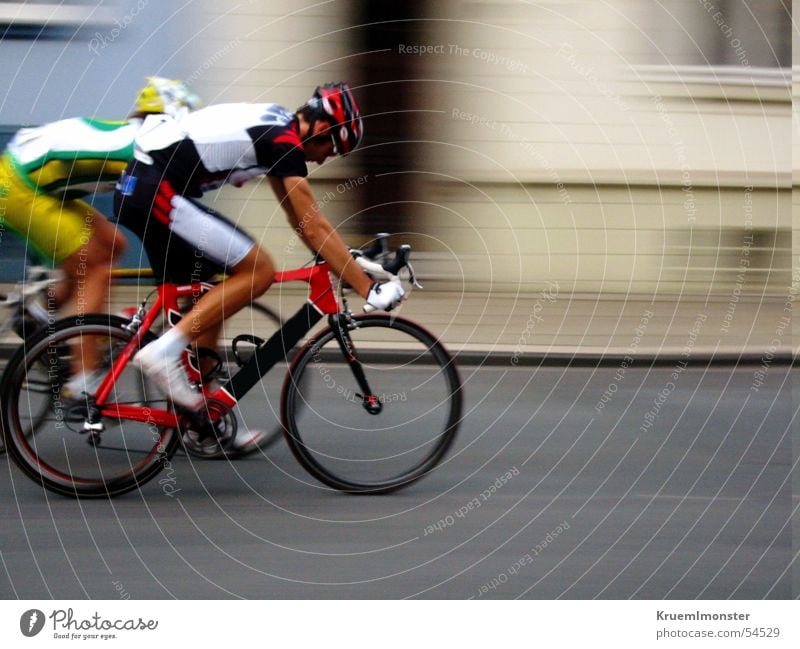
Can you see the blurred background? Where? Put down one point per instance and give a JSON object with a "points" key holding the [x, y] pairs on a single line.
{"points": [[577, 160]]}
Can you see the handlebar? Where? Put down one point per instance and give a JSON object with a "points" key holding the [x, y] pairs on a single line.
{"points": [[381, 266], [379, 249]]}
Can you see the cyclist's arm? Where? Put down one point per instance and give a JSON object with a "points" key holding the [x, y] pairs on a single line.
{"points": [[297, 199]]}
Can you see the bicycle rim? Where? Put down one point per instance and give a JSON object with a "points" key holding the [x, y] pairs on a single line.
{"points": [[333, 435], [52, 448]]}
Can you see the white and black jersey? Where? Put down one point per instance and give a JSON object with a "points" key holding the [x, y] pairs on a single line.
{"points": [[176, 160], [226, 143]]}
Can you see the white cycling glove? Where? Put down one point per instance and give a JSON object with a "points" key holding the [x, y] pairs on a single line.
{"points": [[385, 296]]}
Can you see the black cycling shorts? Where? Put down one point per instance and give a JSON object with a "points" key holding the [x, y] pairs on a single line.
{"points": [[185, 241]]}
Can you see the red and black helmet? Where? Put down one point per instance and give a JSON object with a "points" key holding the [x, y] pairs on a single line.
{"points": [[334, 103]]}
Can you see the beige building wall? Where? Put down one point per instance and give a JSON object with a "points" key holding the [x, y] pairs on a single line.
{"points": [[559, 142], [276, 51], [795, 169], [571, 157]]}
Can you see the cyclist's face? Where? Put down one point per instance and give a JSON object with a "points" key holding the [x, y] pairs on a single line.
{"points": [[320, 147]]}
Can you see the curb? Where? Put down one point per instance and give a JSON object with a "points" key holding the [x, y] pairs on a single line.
{"points": [[610, 358], [702, 358]]}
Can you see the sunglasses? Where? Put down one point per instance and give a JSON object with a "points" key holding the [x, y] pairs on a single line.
{"points": [[323, 139]]}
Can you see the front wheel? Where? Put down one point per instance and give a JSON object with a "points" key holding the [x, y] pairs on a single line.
{"points": [[379, 442]]}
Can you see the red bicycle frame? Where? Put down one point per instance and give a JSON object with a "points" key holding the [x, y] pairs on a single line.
{"points": [[321, 301]]}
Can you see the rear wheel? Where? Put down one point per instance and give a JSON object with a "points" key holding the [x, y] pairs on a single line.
{"points": [[377, 445], [53, 449], [23, 324]]}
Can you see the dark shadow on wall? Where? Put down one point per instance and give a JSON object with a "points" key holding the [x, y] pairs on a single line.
{"points": [[388, 91]]}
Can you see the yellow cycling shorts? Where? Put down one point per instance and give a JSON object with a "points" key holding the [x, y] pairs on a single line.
{"points": [[53, 227]]}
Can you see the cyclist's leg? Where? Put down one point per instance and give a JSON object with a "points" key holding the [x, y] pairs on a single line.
{"points": [[89, 266], [247, 280], [184, 240], [190, 242], [69, 234], [87, 272], [88, 269]]}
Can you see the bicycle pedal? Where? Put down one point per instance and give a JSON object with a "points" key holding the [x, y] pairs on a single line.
{"points": [[210, 439]]}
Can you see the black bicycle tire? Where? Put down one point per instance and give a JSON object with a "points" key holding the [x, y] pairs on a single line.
{"points": [[294, 438], [9, 391], [44, 410]]}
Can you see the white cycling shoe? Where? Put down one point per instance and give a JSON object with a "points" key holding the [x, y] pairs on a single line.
{"points": [[83, 383], [170, 376], [247, 441]]}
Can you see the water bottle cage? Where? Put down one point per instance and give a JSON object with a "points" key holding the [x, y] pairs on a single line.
{"points": [[249, 339]]}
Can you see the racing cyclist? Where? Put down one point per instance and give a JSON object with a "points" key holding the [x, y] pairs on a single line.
{"points": [[176, 161], [44, 172]]}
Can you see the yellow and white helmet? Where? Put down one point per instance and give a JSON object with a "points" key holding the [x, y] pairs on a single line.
{"points": [[169, 96]]}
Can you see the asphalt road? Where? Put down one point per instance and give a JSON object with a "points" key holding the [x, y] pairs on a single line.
{"points": [[545, 495]]}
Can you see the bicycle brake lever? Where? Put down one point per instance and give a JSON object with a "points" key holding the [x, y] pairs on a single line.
{"points": [[412, 276]]}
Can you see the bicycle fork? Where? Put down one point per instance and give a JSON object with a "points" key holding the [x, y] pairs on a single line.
{"points": [[339, 326]]}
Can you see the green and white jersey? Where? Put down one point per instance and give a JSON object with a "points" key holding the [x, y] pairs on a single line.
{"points": [[73, 157]]}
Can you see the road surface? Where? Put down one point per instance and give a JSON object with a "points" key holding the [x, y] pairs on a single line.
{"points": [[616, 482]]}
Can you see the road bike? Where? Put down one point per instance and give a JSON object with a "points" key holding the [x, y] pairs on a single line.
{"points": [[31, 305], [370, 403], [257, 319]]}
